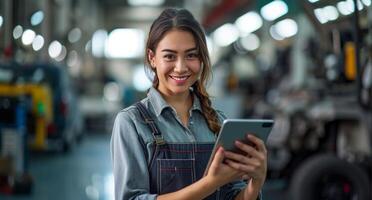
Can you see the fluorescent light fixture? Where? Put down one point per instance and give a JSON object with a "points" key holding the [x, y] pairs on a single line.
{"points": [[145, 2], [28, 36], [286, 28], [313, 1], [17, 32], [1, 20], [225, 35], [140, 81], [331, 13], [55, 48], [328, 13], [98, 43], [367, 2], [74, 35], [248, 23], [274, 10], [320, 15], [345, 8], [360, 5], [274, 34], [37, 18], [125, 43], [38, 43], [250, 42]]}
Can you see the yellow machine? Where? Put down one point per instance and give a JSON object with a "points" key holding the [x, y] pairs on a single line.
{"points": [[42, 106]]}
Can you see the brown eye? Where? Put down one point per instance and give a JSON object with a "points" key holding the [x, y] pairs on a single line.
{"points": [[192, 56], [169, 56]]}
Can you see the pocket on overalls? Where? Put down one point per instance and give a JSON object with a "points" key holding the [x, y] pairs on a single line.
{"points": [[174, 174]]}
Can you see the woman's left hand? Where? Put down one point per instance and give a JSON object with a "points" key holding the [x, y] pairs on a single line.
{"points": [[254, 163]]}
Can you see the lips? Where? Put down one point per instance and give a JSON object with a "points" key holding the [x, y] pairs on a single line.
{"points": [[180, 80]]}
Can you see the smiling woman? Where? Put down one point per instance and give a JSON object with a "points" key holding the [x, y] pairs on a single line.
{"points": [[176, 63], [161, 145]]}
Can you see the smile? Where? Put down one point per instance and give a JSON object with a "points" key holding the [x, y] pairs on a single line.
{"points": [[180, 78]]}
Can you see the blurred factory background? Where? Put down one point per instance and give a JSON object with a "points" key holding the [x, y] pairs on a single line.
{"points": [[68, 66]]}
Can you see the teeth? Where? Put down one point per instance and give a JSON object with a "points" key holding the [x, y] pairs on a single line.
{"points": [[180, 78]]}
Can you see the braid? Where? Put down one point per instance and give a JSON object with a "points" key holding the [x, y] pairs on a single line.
{"points": [[209, 113]]}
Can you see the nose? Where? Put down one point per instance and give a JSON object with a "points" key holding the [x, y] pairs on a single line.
{"points": [[180, 66]]}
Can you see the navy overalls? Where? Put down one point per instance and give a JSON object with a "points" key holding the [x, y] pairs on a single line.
{"points": [[176, 165]]}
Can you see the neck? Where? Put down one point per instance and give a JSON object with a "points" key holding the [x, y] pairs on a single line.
{"points": [[181, 103], [180, 100]]}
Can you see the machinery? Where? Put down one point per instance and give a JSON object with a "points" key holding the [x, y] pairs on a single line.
{"points": [[321, 144]]}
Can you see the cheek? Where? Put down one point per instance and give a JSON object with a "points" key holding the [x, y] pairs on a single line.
{"points": [[163, 67], [195, 66]]}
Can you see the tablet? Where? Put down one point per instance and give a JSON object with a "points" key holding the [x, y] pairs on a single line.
{"points": [[237, 129]]}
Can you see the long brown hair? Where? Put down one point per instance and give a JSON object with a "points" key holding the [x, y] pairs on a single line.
{"points": [[182, 19]]}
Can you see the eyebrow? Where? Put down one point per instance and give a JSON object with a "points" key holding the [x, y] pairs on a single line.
{"points": [[173, 51]]}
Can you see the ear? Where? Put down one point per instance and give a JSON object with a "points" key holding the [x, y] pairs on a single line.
{"points": [[151, 57]]}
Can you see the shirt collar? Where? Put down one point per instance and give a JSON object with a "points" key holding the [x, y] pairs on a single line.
{"points": [[159, 104]]}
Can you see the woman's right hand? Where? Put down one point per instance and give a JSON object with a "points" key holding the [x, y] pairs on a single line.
{"points": [[220, 173]]}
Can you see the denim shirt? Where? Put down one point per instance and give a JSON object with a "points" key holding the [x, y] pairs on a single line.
{"points": [[131, 142]]}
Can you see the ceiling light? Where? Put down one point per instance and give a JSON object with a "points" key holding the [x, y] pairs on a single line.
{"points": [[274, 10], [367, 2], [17, 32], [286, 28], [55, 48], [250, 42], [74, 35], [37, 18], [1, 20], [98, 43], [38, 43], [125, 43], [331, 13], [344, 8], [145, 2], [28, 36], [248, 23], [320, 15], [225, 34]]}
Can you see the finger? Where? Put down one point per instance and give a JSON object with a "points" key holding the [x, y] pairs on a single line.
{"points": [[247, 169], [218, 158], [258, 142], [242, 159], [248, 149]]}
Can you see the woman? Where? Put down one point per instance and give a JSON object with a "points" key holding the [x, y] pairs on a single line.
{"points": [[161, 145]]}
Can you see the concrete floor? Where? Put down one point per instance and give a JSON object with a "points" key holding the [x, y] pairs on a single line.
{"points": [[85, 174]]}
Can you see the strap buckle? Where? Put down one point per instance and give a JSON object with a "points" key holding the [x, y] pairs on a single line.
{"points": [[159, 140]]}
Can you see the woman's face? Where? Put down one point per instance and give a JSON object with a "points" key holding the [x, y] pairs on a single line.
{"points": [[176, 62]]}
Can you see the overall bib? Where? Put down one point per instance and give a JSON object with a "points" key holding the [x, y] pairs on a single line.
{"points": [[176, 165]]}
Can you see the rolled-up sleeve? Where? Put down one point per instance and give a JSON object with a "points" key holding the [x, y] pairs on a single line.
{"points": [[131, 176]]}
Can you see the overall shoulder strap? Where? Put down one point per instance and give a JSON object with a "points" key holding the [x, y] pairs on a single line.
{"points": [[159, 140]]}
